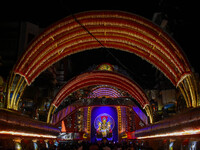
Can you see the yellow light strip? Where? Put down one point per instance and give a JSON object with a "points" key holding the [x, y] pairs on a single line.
{"points": [[149, 112], [14, 95], [27, 134], [9, 88], [88, 119], [181, 133], [119, 118], [50, 113]]}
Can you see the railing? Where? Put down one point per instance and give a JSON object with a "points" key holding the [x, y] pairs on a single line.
{"points": [[13, 123], [181, 130]]}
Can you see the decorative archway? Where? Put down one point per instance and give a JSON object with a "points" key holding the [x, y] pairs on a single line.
{"points": [[102, 78], [107, 29]]}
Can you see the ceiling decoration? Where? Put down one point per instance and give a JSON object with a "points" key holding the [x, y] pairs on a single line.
{"points": [[105, 91]]}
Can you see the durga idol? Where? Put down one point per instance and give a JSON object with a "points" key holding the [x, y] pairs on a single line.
{"points": [[104, 128]]}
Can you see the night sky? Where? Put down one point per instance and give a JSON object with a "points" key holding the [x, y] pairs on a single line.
{"points": [[182, 16]]}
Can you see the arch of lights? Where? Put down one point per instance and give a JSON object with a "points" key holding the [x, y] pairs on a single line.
{"points": [[104, 91], [107, 29], [102, 78]]}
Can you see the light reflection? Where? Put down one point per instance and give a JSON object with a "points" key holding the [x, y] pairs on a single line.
{"points": [[27, 134], [186, 132]]}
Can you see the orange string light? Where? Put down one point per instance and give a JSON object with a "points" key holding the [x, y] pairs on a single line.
{"points": [[180, 133], [27, 134]]}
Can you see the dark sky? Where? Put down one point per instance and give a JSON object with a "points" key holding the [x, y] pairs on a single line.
{"points": [[182, 16]]}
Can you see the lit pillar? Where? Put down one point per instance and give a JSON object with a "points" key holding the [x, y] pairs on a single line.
{"points": [[35, 145], [119, 121], [88, 122], [17, 144], [50, 113], [56, 143], [46, 143], [149, 113]]}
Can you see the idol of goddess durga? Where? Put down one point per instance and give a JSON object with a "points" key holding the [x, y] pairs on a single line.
{"points": [[104, 127]]}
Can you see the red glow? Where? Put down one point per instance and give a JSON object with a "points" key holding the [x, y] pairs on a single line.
{"points": [[131, 135]]}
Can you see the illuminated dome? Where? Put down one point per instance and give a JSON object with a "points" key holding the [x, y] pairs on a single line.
{"points": [[104, 91]]}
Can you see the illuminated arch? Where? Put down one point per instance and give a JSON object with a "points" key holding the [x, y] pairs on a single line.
{"points": [[107, 29], [117, 30], [104, 91], [102, 78]]}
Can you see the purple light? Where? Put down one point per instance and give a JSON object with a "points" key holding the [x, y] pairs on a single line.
{"points": [[142, 116], [104, 92]]}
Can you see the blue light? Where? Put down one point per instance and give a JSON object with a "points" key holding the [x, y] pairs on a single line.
{"points": [[96, 111], [35, 146]]}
